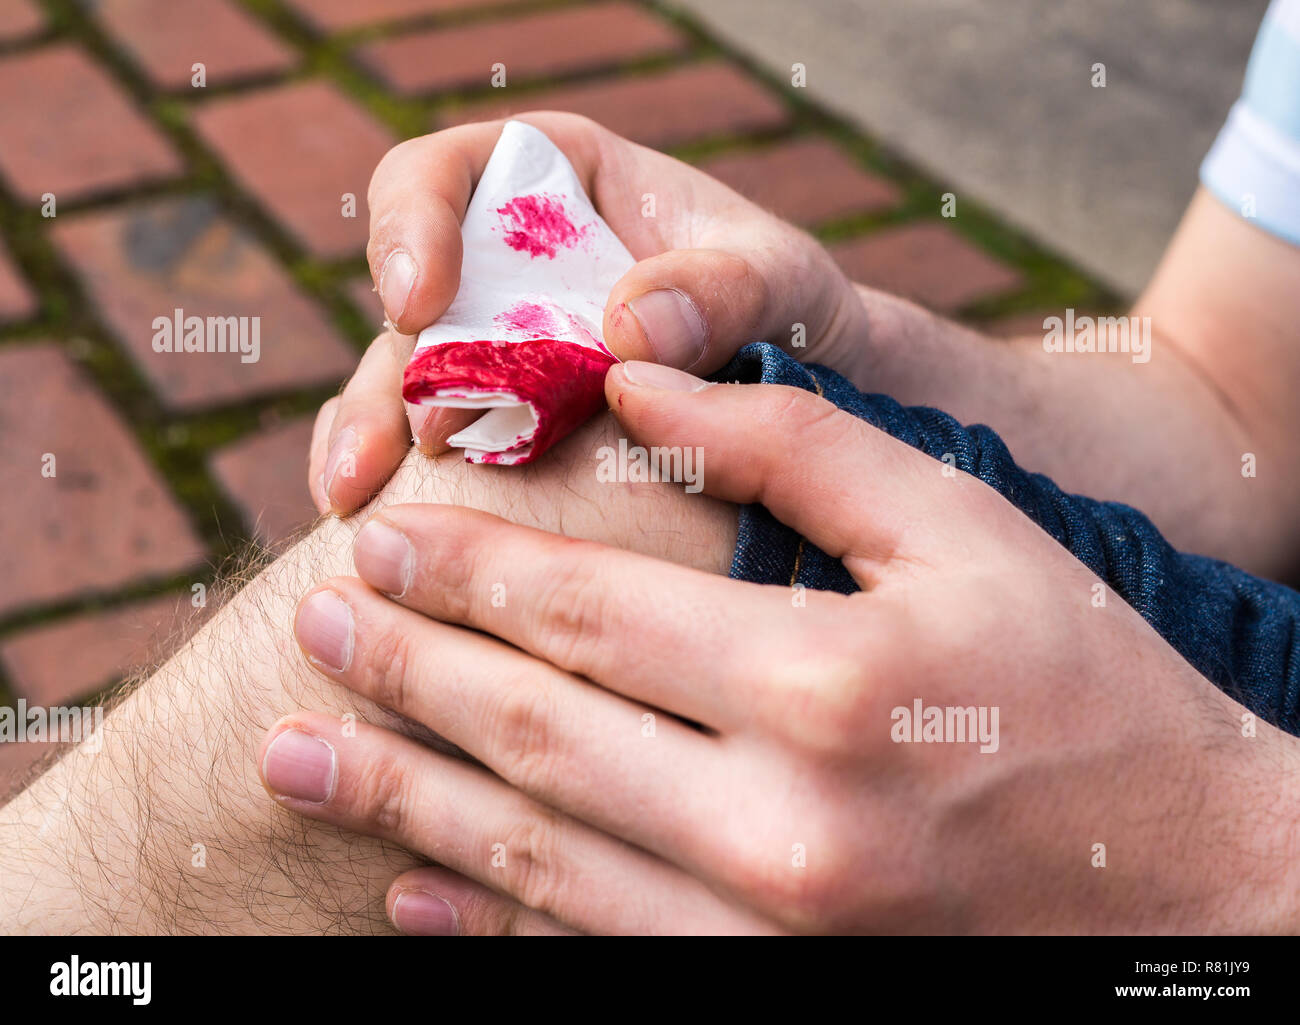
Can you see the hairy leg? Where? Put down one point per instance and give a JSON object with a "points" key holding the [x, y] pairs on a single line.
{"points": [[167, 829]]}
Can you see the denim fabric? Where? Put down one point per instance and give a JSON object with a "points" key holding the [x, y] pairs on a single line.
{"points": [[1237, 630]]}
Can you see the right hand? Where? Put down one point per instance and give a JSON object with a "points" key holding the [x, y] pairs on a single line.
{"points": [[715, 272]]}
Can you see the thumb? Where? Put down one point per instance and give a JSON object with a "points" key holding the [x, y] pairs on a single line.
{"points": [[693, 308], [848, 487]]}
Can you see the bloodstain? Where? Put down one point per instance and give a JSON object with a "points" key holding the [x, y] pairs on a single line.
{"points": [[537, 225], [527, 318], [564, 382]]}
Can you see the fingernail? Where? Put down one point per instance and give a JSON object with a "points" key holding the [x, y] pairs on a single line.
{"points": [[418, 417], [323, 627], [656, 375], [384, 557], [300, 766], [421, 913], [342, 457], [396, 280], [672, 324]]}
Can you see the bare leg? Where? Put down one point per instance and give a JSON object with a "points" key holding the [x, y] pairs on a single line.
{"points": [[168, 829]]}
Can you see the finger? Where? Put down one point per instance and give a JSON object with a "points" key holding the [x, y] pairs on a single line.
{"points": [[693, 308], [317, 452], [418, 197], [370, 434], [434, 901], [432, 426], [535, 726], [382, 784], [849, 488], [609, 615]]}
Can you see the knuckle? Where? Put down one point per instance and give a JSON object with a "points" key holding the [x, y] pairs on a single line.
{"points": [[751, 286], [567, 614], [578, 122], [385, 669], [803, 894], [815, 417], [457, 568], [521, 726], [381, 795], [797, 412], [577, 126], [834, 696], [530, 861], [821, 702]]}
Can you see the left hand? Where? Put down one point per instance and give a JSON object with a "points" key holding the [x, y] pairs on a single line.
{"points": [[665, 750], [714, 272]]}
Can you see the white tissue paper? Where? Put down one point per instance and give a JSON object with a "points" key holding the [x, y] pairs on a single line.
{"points": [[522, 339]]}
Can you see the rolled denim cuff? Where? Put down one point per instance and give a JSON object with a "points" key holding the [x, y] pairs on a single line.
{"points": [[1238, 631]]}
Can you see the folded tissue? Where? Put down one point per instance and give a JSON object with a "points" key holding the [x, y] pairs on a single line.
{"points": [[522, 339]]}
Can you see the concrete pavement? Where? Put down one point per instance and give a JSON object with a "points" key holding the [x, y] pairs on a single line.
{"points": [[995, 97]]}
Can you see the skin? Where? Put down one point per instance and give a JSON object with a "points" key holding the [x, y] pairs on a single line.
{"points": [[104, 841], [576, 818], [1167, 436]]}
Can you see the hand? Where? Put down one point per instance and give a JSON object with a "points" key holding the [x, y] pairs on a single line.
{"points": [[715, 272], [1115, 790]]}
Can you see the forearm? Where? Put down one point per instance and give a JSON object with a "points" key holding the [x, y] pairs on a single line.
{"points": [[105, 842], [1202, 437], [1154, 435]]}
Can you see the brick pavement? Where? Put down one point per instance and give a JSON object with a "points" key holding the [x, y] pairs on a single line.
{"points": [[231, 200]]}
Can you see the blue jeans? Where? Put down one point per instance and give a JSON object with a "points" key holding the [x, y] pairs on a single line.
{"points": [[1237, 630]]}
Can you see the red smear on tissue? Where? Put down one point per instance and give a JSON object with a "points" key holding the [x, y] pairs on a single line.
{"points": [[563, 381], [527, 318], [537, 225]]}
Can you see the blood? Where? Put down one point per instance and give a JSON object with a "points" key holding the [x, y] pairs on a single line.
{"points": [[537, 225], [527, 318], [564, 382]]}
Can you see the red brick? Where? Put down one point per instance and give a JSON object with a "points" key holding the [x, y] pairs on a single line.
{"points": [[65, 662], [807, 181], [19, 19], [148, 259], [166, 38], [17, 762], [661, 109], [299, 149], [340, 15], [66, 128], [927, 262], [16, 299], [364, 297], [104, 520], [266, 476], [530, 46]]}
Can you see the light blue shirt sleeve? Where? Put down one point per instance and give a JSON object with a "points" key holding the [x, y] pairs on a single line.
{"points": [[1254, 165]]}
